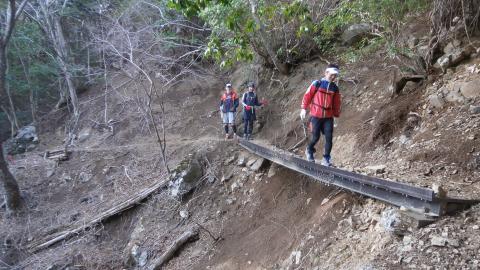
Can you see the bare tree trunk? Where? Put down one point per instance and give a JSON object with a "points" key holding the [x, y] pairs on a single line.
{"points": [[161, 142], [62, 99], [8, 182], [13, 199], [9, 114], [33, 106], [282, 67], [88, 63], [46, 16], [10, 186], [61, 49], [105, 73], [149, 92]]}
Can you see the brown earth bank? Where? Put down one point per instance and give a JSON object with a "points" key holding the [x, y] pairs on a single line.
{"points": [[254, 218]]}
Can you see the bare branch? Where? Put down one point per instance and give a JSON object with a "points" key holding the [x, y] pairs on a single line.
{"points": [[20, 9]]}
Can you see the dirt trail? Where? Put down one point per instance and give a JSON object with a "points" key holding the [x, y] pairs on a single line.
{"points": [[172, 142], [265, 229]]}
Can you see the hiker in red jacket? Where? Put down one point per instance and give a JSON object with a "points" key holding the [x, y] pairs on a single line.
{"points": [[228, 108], [324, 102]]}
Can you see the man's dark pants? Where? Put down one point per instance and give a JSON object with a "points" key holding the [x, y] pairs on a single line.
{"points": [[248, 118], [325, 126]]}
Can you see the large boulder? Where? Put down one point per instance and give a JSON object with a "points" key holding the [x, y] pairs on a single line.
{"points": [[452, 47], [242, 159], [185, 177], [474, 109], [27, 134], [25, 139], [436, 101], [84, 134], [444, 62], [376, 169], [471, 89], [454, 97], [355, 33], [134, 255], [453, 56], [257, 164]]}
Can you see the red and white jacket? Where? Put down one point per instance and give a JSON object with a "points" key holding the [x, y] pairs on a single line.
{"points": [[323, 99]]}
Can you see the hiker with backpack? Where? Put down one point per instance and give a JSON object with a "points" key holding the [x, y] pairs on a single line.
{"points": [[249, 102], [323, 100], [228, 107]]}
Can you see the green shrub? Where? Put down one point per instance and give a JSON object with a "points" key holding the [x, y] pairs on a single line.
{"points": [[385, 15], [235, 35]]}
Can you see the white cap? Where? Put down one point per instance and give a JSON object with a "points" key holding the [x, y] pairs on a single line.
{"points": [[228, 85], [332, 70]]}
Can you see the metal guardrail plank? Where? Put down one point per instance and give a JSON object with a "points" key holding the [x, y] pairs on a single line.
{"points": [[328, 172], [398, 194], [422, 193]]}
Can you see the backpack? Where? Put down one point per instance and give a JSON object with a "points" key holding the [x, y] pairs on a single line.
{"points": [[245, 94], [326, 95]]}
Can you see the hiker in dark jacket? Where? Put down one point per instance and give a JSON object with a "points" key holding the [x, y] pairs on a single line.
{"points": [[228, 108], [249, 102], [324, 102]]}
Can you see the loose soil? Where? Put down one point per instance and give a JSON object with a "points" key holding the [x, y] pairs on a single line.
{"points": [[285, 221]]}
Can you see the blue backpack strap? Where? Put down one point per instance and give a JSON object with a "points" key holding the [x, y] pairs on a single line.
{"points": [[317, 84]]}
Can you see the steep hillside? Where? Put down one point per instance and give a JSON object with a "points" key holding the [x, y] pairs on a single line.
{"points": [[252, 214]]}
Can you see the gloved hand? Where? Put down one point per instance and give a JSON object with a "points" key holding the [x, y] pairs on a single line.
{"points": [[248, 108], [303, 113]]}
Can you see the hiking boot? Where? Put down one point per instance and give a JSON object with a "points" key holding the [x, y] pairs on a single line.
{"points": [[249, 137], [309, 155], [326, 162], [227, 136], [245, 136]]}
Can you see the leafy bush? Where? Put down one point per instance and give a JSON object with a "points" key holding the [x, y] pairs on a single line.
{"points": [[235, 34], [386, 16], [362, 49]]}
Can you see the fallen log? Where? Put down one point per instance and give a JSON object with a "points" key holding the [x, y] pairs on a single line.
{"points": [[297, 144], [187, 236], [59, 154], [127, 204]]}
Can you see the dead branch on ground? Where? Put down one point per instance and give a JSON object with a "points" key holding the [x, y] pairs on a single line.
{"points": [[119, 208], [215, 239], [191, 235]]}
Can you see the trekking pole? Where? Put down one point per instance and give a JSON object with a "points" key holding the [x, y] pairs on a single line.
{"points": [[304, 126]]}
